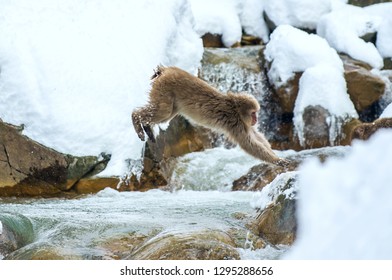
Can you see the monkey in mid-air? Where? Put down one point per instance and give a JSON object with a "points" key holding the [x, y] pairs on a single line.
{"points": [[175, 91]]}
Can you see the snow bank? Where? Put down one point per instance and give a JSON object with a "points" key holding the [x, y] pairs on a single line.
{"points": [[72, 71], [325, 86], [301, 14], [228, 18], [285, 183], [291, 50], [384, 34], [342, 29], [344, 209], [387, 113]]}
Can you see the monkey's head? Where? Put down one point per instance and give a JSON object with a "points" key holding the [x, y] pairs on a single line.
{"points": [[247, 107]]}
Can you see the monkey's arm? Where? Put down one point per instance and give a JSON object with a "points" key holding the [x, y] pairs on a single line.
{"points": [[255, 144]]}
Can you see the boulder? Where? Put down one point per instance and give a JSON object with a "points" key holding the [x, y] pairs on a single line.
{"points": [[212, 40], [180, 138], [15, 232], [316, 128], [365, 130], [198, 245], [364, 3], [364, 87], [276, 221], [28, 168]]}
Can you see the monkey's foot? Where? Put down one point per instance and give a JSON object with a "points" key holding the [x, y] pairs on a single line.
{"points": [[283, 162], [149, 132]]}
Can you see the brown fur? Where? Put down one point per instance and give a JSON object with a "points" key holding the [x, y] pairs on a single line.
{"points": [[175, 91], [365, 130]]}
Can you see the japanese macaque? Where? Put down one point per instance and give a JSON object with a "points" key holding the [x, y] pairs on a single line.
{"points": [[175, 91]]}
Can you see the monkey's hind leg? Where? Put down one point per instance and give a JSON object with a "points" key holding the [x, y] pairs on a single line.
{"points": [[137, 124], [149, 132]]}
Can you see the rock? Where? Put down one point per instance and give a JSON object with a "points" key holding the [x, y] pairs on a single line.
{"points": [[259, 176], [212, 40], [263, 174], [387, 63], [94, 185], [287, 94], [120, 247], [203, 245], [28, 168], [277, 221], [178, 139], [249, 40], [364, 87], [365, 130], [15, 232], [364, 3], [316, 128]]}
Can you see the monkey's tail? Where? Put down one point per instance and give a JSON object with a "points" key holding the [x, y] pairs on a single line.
{"points": [[158, 71]]}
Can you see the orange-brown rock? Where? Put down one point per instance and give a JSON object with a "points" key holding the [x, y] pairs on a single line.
{"points": [[28, 168], [365, 130], [364, 87]]}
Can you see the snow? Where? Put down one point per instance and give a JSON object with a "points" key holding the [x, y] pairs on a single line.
{"points": [[291, 50], [301, 14], [1, 228], [73, 71], [343, 27], [280, 185], [325, 86], [228, 18], [344, 209], [387, 113], [384, 32]]}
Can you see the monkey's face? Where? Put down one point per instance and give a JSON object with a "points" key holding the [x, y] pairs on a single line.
{"points": [[253, 115]]}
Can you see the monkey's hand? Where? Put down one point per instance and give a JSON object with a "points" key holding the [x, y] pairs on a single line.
{"points": [[283, 162]]}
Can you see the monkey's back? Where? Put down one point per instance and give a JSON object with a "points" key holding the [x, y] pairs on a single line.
{"points": [[193, 98]]}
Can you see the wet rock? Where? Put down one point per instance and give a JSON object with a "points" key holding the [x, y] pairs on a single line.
{"points": [[259, 176], [28, 168], [365, 130], [203, 245], [276, 221], [94, 185], [212, 40], [180, 138], [15, 232], [249, 40], [364, 87], [316, 128], [120, 247], [263, 174], [287, 94], [364, 3]]}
